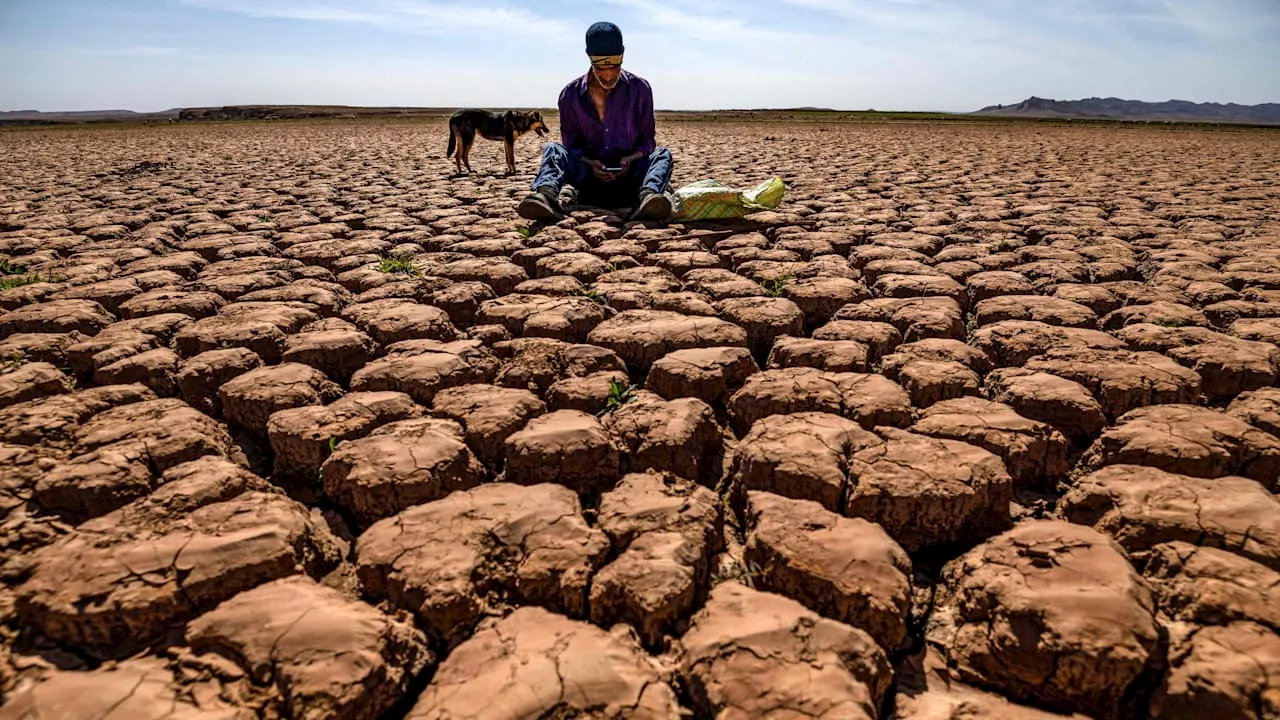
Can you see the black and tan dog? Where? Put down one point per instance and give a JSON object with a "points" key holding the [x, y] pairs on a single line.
{"points": [[504, 126]]}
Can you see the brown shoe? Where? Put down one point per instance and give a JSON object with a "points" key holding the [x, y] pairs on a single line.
{"points": [[653, 206], [540, 205]]}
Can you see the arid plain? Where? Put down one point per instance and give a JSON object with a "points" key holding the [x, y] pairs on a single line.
{"points": [[981, 422]]}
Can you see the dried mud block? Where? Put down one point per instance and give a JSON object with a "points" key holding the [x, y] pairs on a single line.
{"points": [[260, 327], [870, 400], [589, 394], [846, 569], [1034, 454], [302, 437], [929, 492], [640, 337], [120, 455], [194, 542], [1259, 408], [828, 355], [498, 273], [422, 368], [1064, 404], [393, 320], [535, 663], [1226, 365], [327, 655], [53, 421], [820, 298], [1122, 380], [1188, 440], [1013, 342], [1142, 507], [1224, 672], [939, 350], [462, 301], [765, 320], [918, 318], [989, 284], [1157, 313], [1260, 330], [488, 415], [879, 338], [156, 369], [249, 400], [1207, 586], [581, 266], [569, 319], [198, 304], [399, 465], [757, 654], [31, 381], [325, 298], [665, 530], [1098, 299], [452, 561], [925, 691], [680, 436], [565, 446], [1051, 614], [57, 316], [143, 687], [931, 381], [709, 374], [537, 363], [199, 378], [88, 356], [804, 456], [39, 347], [334, 347], [1035, 308]]}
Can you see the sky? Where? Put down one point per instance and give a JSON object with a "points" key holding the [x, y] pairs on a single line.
{"points": [[939, 55]]}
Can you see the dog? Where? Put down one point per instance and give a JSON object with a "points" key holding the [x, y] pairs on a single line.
{"points": [[504, 126]]}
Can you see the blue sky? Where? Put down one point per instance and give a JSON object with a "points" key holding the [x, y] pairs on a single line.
{"points": [[951, 55]]}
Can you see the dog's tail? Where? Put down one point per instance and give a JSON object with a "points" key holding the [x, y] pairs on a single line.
{"points": [[453, 142]]}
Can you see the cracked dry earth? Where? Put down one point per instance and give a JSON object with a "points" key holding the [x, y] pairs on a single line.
{"points": [[982, 422]]}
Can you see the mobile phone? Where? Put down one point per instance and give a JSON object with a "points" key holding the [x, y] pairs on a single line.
{"points": [[613, 168]]}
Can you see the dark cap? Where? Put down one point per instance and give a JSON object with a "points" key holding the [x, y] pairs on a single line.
{"points": [[604, 38]]}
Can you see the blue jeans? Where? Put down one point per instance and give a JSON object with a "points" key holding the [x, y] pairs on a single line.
{"points": [[560, 168]]}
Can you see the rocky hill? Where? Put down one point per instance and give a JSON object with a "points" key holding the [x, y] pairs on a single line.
{"points": [[1118, 109]]}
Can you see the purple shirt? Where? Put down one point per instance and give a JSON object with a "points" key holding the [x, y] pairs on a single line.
{"points": [[628, 119]]}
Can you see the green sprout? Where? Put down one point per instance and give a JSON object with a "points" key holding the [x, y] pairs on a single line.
{"points": [[399, 265], [776, 287], [620, 394]]}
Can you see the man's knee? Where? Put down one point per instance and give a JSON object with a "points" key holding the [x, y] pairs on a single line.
{"points": [[554, 151], [660, 153]]}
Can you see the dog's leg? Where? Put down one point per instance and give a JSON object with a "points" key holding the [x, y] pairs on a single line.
{"points": [[454, 150], [511, 154], [467, 141]]}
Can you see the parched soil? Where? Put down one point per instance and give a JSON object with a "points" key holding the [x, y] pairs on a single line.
{"points": [[982, 422]]}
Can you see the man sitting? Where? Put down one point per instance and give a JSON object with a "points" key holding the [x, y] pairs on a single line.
{"points": [[609, 157]]}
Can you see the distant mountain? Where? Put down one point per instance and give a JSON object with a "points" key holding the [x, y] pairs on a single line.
{"points": [[1118, 109], [37, 117]]}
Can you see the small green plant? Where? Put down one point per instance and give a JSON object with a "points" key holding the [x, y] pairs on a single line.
{"points": [[13, 281], [745, 573], [776, 287], [399, 265], [333, 444], [13, 361], [524, 232], [593, 295], [620, 394], [8, 268]]}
